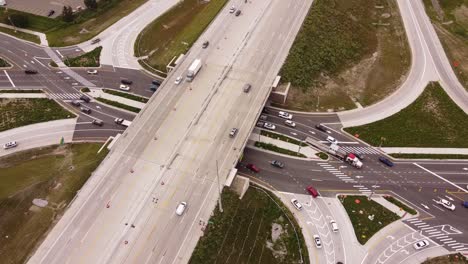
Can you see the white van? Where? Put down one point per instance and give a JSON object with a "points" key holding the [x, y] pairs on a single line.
{"points": [[334, 226], [181, 208], [332, 140]]}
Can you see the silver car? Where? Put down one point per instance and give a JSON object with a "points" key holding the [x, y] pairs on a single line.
{"points": [[269, 126]]}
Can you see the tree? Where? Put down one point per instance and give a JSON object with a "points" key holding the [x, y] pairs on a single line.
{"points": [[18, 20], [90, 4], [67, 14]]}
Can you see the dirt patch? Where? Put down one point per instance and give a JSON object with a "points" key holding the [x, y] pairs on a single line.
{"points": [[461, 15]]}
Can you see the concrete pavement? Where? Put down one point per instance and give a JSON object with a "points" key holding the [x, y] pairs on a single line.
{"points": [[38, 135], [460, 151]]}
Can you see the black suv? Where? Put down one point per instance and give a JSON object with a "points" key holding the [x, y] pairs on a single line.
{"points": [[321, 128], [277, 164], [125, 81], [205, 44], [30, 71], [85, 98]]}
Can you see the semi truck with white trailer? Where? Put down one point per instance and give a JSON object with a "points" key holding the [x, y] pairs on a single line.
{"points": [[353, 160], [193, 69]]}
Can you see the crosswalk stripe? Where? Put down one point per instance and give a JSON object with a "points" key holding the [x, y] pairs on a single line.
{"points": [[457, 246]]}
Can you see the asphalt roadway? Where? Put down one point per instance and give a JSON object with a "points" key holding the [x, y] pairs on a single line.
{"points": [[173, 145]]}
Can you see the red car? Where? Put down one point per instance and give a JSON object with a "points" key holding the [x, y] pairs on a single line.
{"points": [[312, 191], [253, 168]]}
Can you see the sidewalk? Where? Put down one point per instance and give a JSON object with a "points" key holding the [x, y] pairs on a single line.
{"points": [[307, 150], [390, 206], [461, 151], [22, 95], [95, 93], [42, 36]]}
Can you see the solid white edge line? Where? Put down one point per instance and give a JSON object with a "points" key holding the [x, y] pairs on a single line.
{"points": [[8, 76]]}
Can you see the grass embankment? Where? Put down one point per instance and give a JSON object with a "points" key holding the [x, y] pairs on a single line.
{"points": [[274, 148], [53, 173], [433, 120], [345, 50], [360, 209], [21, 35], [282, 138], [21, 112], [401, 205], [243, 232], [4, 63], [119, 105], [448, 259], [428, 156], [176, 31], [21, 91], [322, 155], [89, 59], [450, 20], [87, 23], [126, 95]]}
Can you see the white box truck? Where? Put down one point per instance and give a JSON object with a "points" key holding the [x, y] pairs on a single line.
{"points": [[193, 69]]}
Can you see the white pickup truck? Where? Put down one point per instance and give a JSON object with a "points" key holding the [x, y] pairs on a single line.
{"points": [[123, 122]]}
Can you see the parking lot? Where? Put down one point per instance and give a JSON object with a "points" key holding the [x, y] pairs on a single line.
{"points": [[42, 7]]}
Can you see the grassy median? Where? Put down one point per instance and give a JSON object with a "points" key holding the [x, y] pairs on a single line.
{"points": [[174, 32], [457, 258], [4, 63], [274, 148], [401, 205], [118, 105], [346, 50], [89, 59], [53, 173], [21, 112], [86, 24], [433, 120], [21, 35], [283, 138], [257, 229], [367, 216], [125, 95]]}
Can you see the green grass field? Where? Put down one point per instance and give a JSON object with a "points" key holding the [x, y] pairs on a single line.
{"points": [[433, 120], [21, 35], [359, 208], [274, 148], [21, 91], [126, 95], [346, 49], [448, 259], [89, 59], [243, 232], [428, 156], [4, 63], [118, 104], [86, 25], [176, 31], [282, 138], [21, 112], [53, 173]]}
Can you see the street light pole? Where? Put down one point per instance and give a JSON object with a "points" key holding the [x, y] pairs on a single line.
{"points": [[219, 188]]}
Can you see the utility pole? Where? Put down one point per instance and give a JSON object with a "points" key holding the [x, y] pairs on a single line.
{"points": [[219, 188]]}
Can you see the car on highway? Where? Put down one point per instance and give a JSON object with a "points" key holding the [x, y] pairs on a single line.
{"points": [[321, 128], [332, 140], [269, 126], [126, 81], [263, 117], [285, 115], [10, 145], [233, 132], [296, 204], [260, 124], [312, 191], [446, 204], [232, 9], [29, 71], [178, 80], [181, 208], [334, 226], [124, 87], [85, 110], [277, 163], [290, 123], [238, 12], [253, 168], [91, 72], [464, 204], [85, 98], [96, 40], [75, 103], [205, 44], [318, 242], [386, 161], [421, 244], [97, 122]]}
